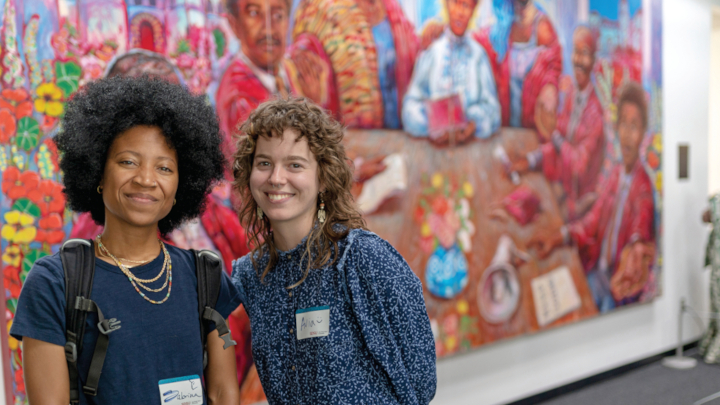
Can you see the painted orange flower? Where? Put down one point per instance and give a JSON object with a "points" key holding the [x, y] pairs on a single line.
{"points": [[48, 196], [50, 231], [48, 100], [8, 125], [17, 185], [17, 101], [12, 281]]}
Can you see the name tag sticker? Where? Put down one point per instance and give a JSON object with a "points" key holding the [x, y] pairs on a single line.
{"points": [[181, 391], [312, 322]]}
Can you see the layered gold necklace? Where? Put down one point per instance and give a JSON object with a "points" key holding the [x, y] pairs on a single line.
{"points": [[136, 281]]}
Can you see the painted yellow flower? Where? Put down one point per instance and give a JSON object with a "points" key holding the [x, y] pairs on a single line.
{"points": [[437, 180], [48, 100], [657, 142], [18, 227], [468, 189], [425, 230], [658, 182], [12, 342], [462, 307], [11, 256], [450, 344]]}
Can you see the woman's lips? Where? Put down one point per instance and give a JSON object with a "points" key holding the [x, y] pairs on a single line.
{"points": [[277, 198], [141, 198]]}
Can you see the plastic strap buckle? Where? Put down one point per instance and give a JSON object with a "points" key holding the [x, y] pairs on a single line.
{"points": [[89, 390], [71, 352], [107, 326]]}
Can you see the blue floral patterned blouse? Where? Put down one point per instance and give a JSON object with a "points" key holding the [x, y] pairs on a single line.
{"points": [[380, 348]]}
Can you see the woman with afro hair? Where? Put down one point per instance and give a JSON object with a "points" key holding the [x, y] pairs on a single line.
{"points": [[140, 155]]}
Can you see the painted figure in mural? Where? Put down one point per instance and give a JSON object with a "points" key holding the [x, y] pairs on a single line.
{"points": [[141, 156], [454, 73], [575, 155], [265, 67], [616, 237], [330, 303], [218, 228], [526, 59], [373, 82]]}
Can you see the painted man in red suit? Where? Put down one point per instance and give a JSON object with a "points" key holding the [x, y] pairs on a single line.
{"points": [[265, 67], [526, 59], [575, 155], [616, 237]]}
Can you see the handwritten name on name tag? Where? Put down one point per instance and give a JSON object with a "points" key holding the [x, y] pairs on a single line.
{"points": [[181, 391], [312, 322]]}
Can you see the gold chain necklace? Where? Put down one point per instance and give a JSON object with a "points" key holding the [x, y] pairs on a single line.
{"points": [[135, 281]]}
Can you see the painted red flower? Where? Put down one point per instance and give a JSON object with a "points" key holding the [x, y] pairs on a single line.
{"points": [[17, 101], [50, 229], [19, 381], [11, 279], [16, 184], [8, 125], [48, 196], [440, 205]]}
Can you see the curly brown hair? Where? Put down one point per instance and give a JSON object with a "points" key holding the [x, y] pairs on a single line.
{"points": [[324, 136]]}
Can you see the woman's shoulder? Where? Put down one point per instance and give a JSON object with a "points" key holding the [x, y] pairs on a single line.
{"points": [[49, 266], [244, 265], [374, 250]]}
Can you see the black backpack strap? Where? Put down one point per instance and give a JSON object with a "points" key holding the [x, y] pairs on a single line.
{"points": [[208, 267], [106, 326], [78, 260]]}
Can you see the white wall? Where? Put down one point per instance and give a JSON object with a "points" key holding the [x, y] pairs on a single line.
{"points": [[714, 103], [528, 365]]}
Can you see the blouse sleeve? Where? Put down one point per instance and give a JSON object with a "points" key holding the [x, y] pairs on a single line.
{"points": [[387, 298]]}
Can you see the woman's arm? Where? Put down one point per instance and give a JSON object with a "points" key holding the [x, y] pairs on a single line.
{"points": [[221, 373], [46, 373]]}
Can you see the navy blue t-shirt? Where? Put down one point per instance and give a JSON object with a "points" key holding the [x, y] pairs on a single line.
{"points": [[155, 342]]}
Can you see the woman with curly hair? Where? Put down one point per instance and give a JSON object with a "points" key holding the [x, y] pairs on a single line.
{"points": [[337, 314], [140, 155]]}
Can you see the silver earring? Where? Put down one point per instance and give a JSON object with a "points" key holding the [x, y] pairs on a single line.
{"points": [[259, 212], [321, 211]]}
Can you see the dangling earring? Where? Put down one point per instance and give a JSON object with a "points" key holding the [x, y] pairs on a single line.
{"points": [[259, 213], [99, 190], [321, 211], [174, 201]]}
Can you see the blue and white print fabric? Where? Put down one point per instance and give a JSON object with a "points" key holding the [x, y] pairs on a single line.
{"points": [[380, 349]]}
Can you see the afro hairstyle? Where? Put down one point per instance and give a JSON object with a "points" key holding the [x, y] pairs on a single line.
{"points": [[105, 108]]}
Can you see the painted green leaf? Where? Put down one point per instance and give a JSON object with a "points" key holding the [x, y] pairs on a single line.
{"points": [[11, 305], [67, 76], [26, 206], [30, 259], [220, 42], [28, 134]]}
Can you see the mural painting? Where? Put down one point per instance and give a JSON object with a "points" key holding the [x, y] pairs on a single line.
{"points": [[509, 149]]}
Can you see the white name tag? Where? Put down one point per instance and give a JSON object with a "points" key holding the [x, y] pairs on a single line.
{"points": [[181, 391], [312, 322]]}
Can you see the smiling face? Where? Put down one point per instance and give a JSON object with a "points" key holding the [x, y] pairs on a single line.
{"points": [[460, 12], [284, 180], [630, 131], [140, 178], [261, 26], [583, 56]]}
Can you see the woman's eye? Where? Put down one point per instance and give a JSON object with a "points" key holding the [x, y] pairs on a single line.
{"points": [[126, 162], [296, 166], [166, 169]]}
